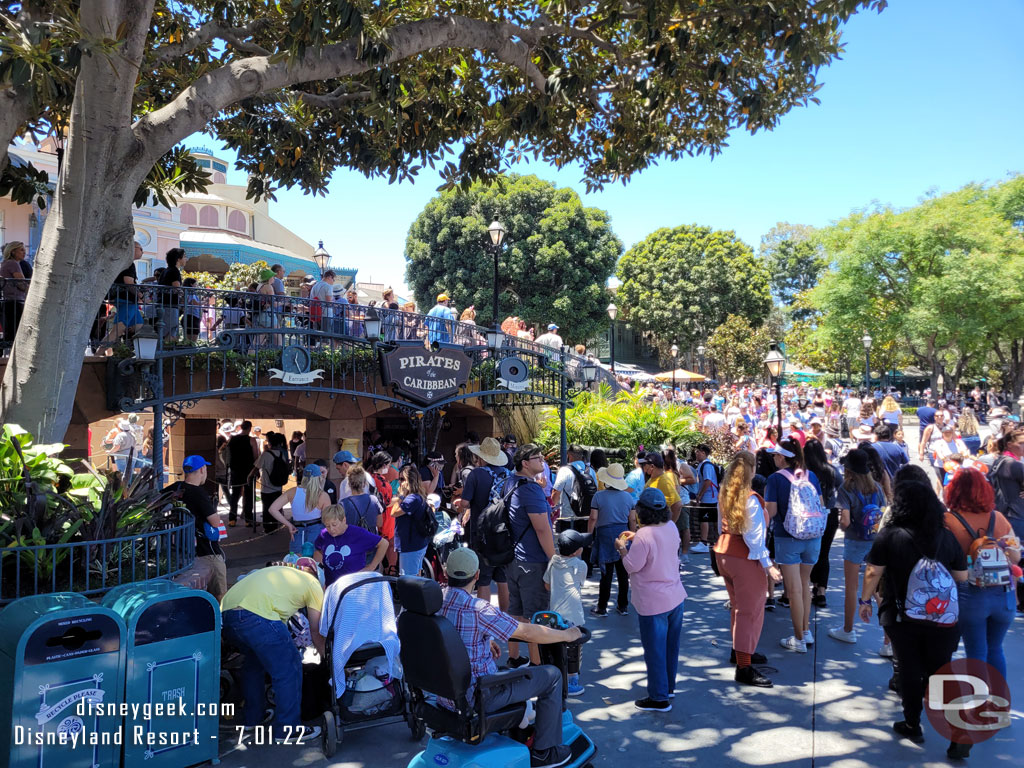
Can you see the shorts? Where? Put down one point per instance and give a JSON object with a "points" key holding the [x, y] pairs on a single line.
{"points": [[705, 512], [526, 592], [489, 573], [683, 523], [218, 583], [790, 551], [128, 313], [190, 324], [855, 550]]}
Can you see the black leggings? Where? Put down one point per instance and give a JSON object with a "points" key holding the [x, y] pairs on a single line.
{"points": [[605, 588], [919, 653], [819, 574]]}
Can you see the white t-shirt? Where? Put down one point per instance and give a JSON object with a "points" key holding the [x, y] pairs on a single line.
{"points": [[714, 420], [550, 339], [852, 407], [565, 483]]}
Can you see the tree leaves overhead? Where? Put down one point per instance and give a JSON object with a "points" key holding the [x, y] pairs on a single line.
{"points": [[553, 267], [680, 284], [794, 262], [737, 349]]}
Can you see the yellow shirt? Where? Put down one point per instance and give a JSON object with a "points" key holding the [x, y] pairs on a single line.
{"points": [[275, 593], [666, 483]]}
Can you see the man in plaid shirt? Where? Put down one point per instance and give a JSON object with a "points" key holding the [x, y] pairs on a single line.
{"points": [[481, 626]]}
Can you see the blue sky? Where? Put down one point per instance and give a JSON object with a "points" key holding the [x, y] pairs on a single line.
{"points": [[925, 98]]}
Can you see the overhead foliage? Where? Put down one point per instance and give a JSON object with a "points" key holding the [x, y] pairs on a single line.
{"points": [[678, 285], [794, 261], [553, 266], [738, 349]]}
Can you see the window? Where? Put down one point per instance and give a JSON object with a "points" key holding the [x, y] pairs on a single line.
{"points": [[220, 167], [237, 222], [188, 214], [203, 163], [208, 217]]}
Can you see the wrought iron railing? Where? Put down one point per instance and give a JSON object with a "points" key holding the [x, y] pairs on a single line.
{"points": [[93, 567], [227, 342]]}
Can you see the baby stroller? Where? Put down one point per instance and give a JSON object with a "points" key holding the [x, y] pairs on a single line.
{"points": [[449, 533], [361, 644]]}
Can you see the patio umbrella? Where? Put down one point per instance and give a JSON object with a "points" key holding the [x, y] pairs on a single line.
{"points": [[681, 374]]}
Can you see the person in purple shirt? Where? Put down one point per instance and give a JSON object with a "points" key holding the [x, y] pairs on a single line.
{"points": [[342, 548]]}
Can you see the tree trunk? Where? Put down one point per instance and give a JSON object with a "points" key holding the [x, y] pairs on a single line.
{"points": [[87, 238]]}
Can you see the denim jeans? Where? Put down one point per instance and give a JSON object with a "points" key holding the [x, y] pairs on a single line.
{"points": [[543, 682], [985, 617], [268, 650], [304, 533], [659, 635], [409, 562]]}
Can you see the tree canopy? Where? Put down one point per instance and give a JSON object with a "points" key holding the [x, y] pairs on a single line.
{"points": [[301, 88], [680, 284], [940, 284], [737, 349], [794, 261], [553, 266]]}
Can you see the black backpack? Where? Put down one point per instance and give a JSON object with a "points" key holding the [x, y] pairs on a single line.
{"points": [[1002, 503], [718, 472], [280, 470], [426, 523], [583, 492], [492, 530]]}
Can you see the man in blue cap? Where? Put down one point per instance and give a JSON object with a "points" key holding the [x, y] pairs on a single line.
{"points": [[208, 524], [551, 338], [343, 461]]}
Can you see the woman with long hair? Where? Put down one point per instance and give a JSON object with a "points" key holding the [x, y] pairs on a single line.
{"points": [[306, 501], [986, 611], [742, 440], [743, 560], [796, 557], [771, 437], [969, 428], [878, 471], [889, 411], [830, 480], [860, 502], [915, 531], [409, 511]]}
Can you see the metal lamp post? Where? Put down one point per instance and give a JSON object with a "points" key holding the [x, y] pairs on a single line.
{"points": [[322, 258], [700, 354], [675, 364], [866, 341], [775, 362], [612, 312], [497, 233], [145, 343]]}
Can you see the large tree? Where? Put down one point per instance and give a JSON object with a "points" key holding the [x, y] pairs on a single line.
{"points": [[941, 283], [555, 261], [737, 349], [678, 285], [300, 88], [795, 261]]}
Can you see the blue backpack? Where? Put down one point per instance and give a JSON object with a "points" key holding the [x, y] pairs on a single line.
{"points": [[865, 523]]}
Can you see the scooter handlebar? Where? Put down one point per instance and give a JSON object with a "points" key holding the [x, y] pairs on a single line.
{"points": [[584, 635]]}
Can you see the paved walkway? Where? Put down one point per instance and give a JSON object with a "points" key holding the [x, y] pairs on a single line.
{"points": [[830, 707]]}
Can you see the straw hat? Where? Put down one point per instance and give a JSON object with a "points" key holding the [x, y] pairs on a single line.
{"points": [[613, 476], [490, 451]]}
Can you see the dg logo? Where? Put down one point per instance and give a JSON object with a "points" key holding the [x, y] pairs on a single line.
{"points": [[513, 373]]}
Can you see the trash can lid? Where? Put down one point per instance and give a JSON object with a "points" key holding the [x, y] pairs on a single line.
{"points": [[18, 616], [129, 599]]}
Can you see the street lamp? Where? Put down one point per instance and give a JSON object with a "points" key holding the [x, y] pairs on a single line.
{"points": [[675, 364], [700, 354], [866, 341], [612, 312], [322, 258], [372, 322], [775, 362], [497, 233]]}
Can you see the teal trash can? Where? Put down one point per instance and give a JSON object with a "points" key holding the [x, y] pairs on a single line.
{"points": [[61, 668], [172, 672]]}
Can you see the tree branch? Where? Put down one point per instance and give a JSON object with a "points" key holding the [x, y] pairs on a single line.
{"points": [[336, 98], [214, 29], [215, 91], [15, 110]]}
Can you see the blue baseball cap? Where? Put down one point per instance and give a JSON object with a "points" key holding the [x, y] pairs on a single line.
{"points": [[552, 327], [344, 457], [652, 498], [312, 470], [194, 463]]}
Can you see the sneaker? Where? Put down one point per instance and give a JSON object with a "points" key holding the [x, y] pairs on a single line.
{"points": [[840, 634], [910, 732], [550, 758], [784, 601], [622, 611], [808, 638], [886, 650], [818, 601], [792, 644], [650, 705], [299, 735], [520, 661], [599, 613], [574, 689], [750, 676], [769, 604], [755, 658], [232, 523], [684, 559], [699, 548], [958, 751]]}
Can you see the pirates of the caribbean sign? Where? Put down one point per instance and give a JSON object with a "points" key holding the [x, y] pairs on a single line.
{"points": [[424, 376]]}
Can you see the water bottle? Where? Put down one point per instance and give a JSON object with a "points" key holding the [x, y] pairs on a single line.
{"points": [[307, 549]]}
